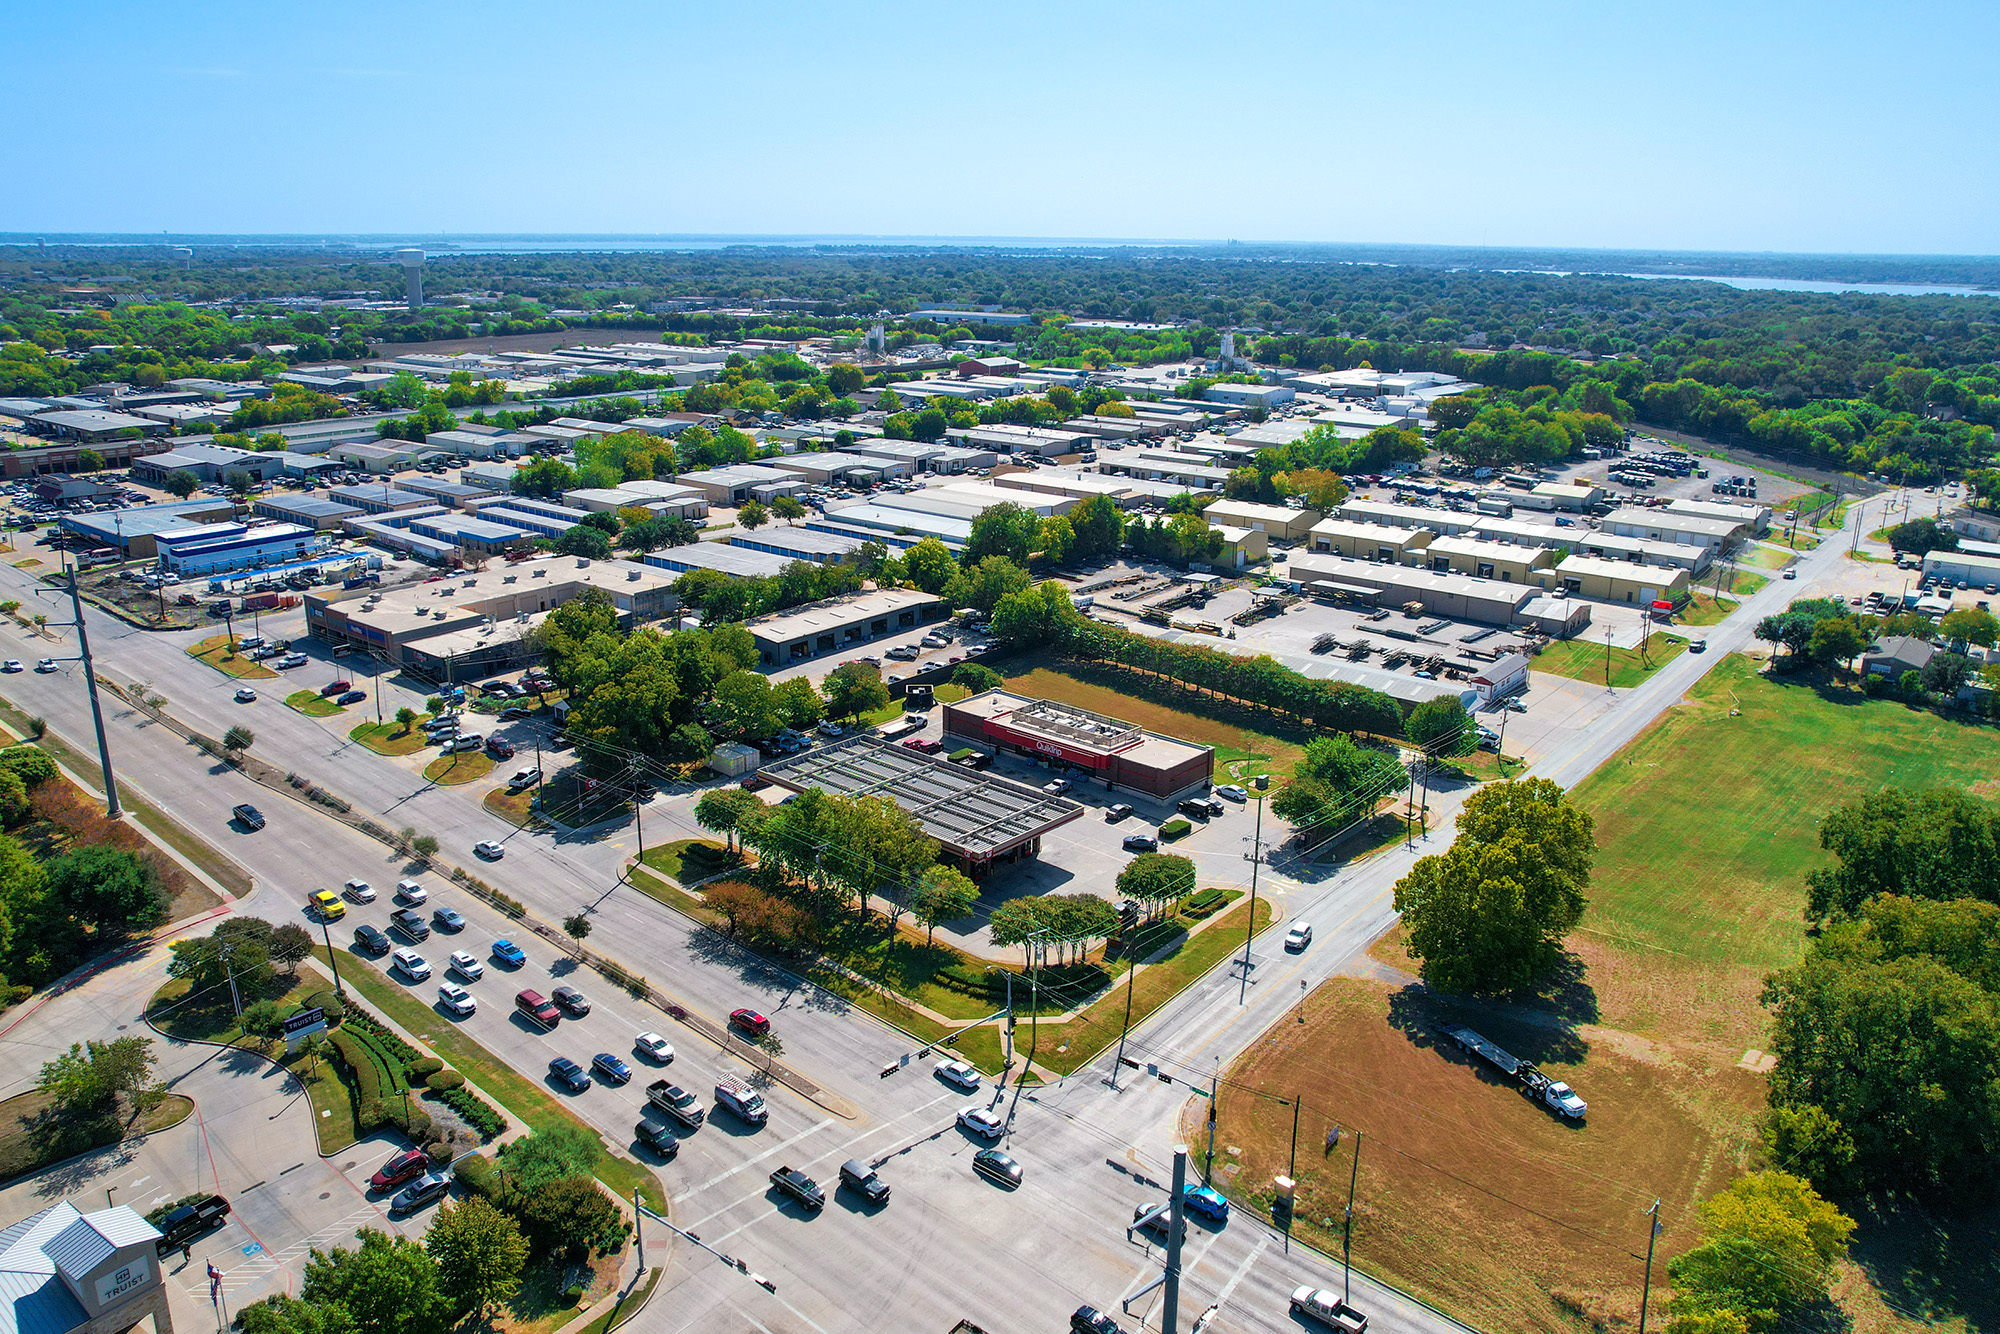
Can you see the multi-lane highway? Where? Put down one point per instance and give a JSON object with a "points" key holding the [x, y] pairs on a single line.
{"points": [[947, 1245]]}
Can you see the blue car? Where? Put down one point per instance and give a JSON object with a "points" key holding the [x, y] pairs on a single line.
{"points": [[507, 952], [611, 1068], [1206, 1202]]}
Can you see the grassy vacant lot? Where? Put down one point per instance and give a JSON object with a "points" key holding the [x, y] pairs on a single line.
{"points": [[20, 1153], [390, 738], [311, 703], [1766, 556], [1707, 824], [1705, 609], [1251, 751], [464, 766], [690, 859], [215, 652], [518, 1094], [1583, 660], [1469, 1195], [514, 807]]}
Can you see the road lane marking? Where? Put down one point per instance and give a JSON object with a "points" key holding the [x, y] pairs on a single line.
{"points": [[779, 1147], [1263, 1240]]}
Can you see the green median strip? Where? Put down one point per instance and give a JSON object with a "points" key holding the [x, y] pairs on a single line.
{"points": [[311, 703], [519, 1095]]}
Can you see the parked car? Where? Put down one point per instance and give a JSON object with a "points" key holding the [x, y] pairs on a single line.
{"points": [[657, 1048], [332, 688], [371, 940], [1055, 787], [420, 1193], [573, 1002], [507, 952], [456, 999], [410, 892], [411, 923], [466, 966], [1141, 843], [611, 1067], [327, 904], [189, 1221], [411, 964], [447, 919], [1233, 792], [656, 1136], [568, 1073], [360, 891], [405, 1166], [1116, 812], [501, 747]]}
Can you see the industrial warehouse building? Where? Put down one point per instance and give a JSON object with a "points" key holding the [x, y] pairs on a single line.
{"points": [[132, 531], [722, 557], [801, 633], [207, 462], [1119, 754], [1663, 525], [979, 819], [214, 547], [1275, 521], [306, 511], [1756, 517], [1621, 581], [740, 482], [1370, 541], [801, 544], [482, 623], [1963, 568], [1462, 598], [1488, 560], [835, 466], [1450, 523]]}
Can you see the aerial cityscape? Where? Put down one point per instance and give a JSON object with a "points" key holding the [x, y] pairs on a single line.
{"points": [[670, 711]]}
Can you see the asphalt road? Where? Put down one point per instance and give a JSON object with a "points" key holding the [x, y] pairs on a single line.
{"points": [[948, 1245]]}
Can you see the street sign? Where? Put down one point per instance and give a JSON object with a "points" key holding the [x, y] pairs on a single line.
{"points": [[304, 1024]]}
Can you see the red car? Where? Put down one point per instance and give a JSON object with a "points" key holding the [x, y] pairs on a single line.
{"points": [[924, 743], [756, 1025], [405, 1166], [754, 782], [332, 688]]}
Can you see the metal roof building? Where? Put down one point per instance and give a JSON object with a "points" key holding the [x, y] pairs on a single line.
{"points": [[786, 637], [741, 562], [62, 1270], [800, 543], [979, 820]]}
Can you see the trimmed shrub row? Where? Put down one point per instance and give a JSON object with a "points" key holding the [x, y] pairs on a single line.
{"points": [[473, 1110]]}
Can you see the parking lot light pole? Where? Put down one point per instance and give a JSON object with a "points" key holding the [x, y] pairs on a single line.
{"points": [[326, 933], [1261, 782]]}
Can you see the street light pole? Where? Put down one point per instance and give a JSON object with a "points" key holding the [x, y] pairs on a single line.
{"points": [[326, 934], [1260, 782], [1131, 972], [111, 808]]}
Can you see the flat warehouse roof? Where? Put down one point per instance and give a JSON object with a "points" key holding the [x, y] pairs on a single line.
{"points": [[970, 811]]}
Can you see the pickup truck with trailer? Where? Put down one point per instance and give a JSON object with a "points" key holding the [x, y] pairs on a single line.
{"points": [[676, 1102], [799, 1186], [1534, 1085]]}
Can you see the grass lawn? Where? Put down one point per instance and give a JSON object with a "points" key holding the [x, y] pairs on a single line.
{"points": [[1472, 1197], [390, 738], [690, 859], [564, 797], [950, 694], [516, 808], [215, 652], [1481, 766], [20, 1154], [521, 1096], [1241, 744], [539, 1306], [330, 1095], [627, 1305], [1695, 898], [1704, 609], [876, 717], [312, 704], [1763, 555], [1583, 660], [465, 766], [1745, 582]]}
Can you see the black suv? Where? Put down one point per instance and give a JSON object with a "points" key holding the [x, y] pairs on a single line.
{"points": [[251, 817], [371, 940], [411, 923]]}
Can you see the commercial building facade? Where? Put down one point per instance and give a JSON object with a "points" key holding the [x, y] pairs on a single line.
{"points": [[1123, 756], [802, 633]]}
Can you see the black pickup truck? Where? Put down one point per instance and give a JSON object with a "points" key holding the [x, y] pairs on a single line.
{"points": [[799, 1186]]}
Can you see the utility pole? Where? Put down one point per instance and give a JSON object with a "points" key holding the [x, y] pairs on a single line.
{"points": [[638, 811], [1035, 956], [1131, 972], [1214, 1082], [1170, 1311], [235, 997], [639, 1231], [1347, 1227], [111, 808], [326, 934], [1652, 1236], [1260, 782]]}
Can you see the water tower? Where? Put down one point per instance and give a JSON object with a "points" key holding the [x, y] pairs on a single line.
{"points": [[413, 276], [185, 254]]}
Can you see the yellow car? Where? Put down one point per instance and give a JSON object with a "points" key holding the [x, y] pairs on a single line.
{"points": [[327, 904]]}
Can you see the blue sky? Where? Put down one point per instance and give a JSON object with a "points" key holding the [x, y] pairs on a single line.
{"points": [[1797, 127]]}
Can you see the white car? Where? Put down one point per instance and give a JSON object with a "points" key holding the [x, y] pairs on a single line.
{"points": [[656, 1047], [11, 665], [245, 695], [46, 665], [466, 966], [1055, 787], [411, 965], [410, 892], [960, 1073], [360, 891], [457, 999], [1299, 936], [982, 1122], [1233, 792], [490, 850]]}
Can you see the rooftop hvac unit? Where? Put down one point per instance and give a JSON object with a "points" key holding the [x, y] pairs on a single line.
{"points": [[522, 618], [541, 574], [583, 562], [631, 575], [509, 578]]}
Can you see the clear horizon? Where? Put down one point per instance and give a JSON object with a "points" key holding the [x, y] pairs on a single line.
{"points": [[1709, 129]]}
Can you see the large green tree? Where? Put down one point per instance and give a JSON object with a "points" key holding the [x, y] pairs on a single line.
{"points": [[1768, 1247], [797, 703], [1490, 913], [389, 1285], [1157, 879], [930, 565], [1334, 783], [570, 1217], [1006, 529], [479, 1253], [1442, 728], [743, 706], [1934, 843], [943, 894], [855, 688]]}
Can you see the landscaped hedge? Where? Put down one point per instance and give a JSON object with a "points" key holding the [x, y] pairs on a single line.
{"points": [[1205, 903], [442, 1080], [474, 1111], [479, 1175], [424, 1067], [1175, 828]]}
